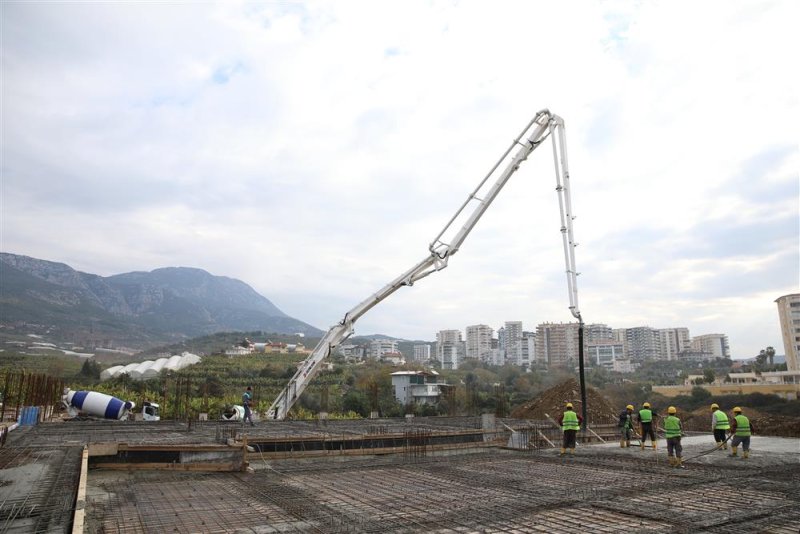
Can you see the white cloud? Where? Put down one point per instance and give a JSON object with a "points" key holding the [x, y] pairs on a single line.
{"points": [[313, 150]]}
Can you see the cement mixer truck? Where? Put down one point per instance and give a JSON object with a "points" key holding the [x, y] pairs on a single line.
{"points": [[95, 404]]}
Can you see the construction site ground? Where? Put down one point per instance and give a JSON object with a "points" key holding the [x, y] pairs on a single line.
{"points": [[391, 476]]}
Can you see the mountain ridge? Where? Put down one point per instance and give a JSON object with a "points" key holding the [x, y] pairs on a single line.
{"points": [[137, 308]]}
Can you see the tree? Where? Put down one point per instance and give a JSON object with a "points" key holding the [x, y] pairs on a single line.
{"points": [[761, 359], [91, 369], [770, 353], [708, 375]]}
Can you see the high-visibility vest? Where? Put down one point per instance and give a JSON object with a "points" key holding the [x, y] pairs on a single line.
{"points": [[721, 420], [645, 415], [672, 425], [570, 421], [742, 426]]}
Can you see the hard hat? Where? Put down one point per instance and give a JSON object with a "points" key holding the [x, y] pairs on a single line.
{"points": [[737, 410], [629, 407], [646, 405], [569, 405], [672, 410], [715, 406]]}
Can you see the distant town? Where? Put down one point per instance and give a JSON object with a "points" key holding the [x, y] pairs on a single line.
{"points": [[555, 345]]}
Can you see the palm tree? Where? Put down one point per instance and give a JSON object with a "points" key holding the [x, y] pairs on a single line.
{"points": [[770, 352]]}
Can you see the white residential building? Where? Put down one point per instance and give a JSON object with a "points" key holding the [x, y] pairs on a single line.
{"points": [[422, 353], [789, 316], [605, 353], [528, 349], [379, 347], [449, 347], [479, 342], [673, 342], [716, 344], [417, 387]]}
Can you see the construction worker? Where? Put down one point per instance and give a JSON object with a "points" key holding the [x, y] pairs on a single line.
{"points": [[570, 423], [247, 399], [626, 426], [719, 425], [741, 429], [646, 416], [673, 431]]}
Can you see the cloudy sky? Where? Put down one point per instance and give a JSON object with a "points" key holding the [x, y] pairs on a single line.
{"points": [[314, 149]]}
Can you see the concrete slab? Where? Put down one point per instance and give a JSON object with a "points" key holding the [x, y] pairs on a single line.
{"points": [[700, 448]]}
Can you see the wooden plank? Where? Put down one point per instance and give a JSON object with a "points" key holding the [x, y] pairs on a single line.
{"points": [[545, 438], [155, 466], [79, 517]]}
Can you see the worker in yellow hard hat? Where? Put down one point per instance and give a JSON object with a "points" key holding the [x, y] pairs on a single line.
{"points": [[741, 430], [720, 426], [646, 420], [570, 423], [674, 431], [625, 424]]}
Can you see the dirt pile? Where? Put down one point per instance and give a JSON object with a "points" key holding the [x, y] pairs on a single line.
{"points": [[598, 409], [764, 424]]}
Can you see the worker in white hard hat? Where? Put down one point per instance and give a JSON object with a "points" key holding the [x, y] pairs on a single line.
{"points": [[570, 423], [720, 426]]}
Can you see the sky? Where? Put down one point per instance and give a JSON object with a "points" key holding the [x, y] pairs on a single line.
{"points": [[314, 150]]}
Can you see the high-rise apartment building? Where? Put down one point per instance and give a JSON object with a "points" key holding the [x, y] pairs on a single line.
{"points": [[673, 342], [642, 343], [479, 342], [789, 316], [716, 345], [422, 353], [528, 348], [513, 342], [449, 347], [557, 344], [379, 347], [597, 332]]}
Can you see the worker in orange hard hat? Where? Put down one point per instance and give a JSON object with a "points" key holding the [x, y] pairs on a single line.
{"points": [[625, 424], [570, 423]]}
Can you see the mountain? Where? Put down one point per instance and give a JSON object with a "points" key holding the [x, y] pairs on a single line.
{"points": [[138, 309]]}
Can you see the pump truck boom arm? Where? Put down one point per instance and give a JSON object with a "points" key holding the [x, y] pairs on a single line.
{"points": [[450, 239]]}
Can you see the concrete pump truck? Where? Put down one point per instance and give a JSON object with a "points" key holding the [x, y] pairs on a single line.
{"points": [[449, 240]]}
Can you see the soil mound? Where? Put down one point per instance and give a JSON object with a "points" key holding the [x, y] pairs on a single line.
{"points": [[598, 409]]}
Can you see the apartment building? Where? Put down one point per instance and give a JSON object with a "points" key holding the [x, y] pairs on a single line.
{"points": [[479, 342], [449, 348], [789, 317], [513, 342], [557, 344], [674, 341], [422, 353], [714, 344], [379, 347], [643, 343]]}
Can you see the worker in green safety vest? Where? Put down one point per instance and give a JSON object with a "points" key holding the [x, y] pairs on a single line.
{"points": [[742, 429], [674, 431], [646, 420], [570, 424], [720, 426]]}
